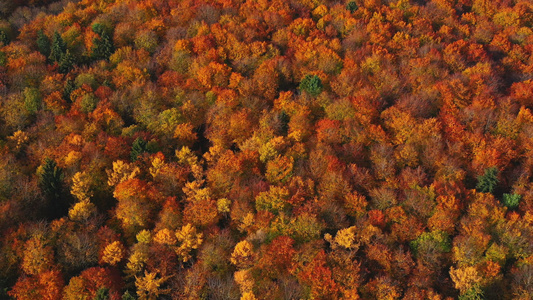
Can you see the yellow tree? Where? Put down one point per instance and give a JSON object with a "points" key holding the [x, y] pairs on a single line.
{"points": [[149, 287], [37, 256], [121, 172], [113, 253], [81, 189], [465, 278], [190, 239], [243, 254]]}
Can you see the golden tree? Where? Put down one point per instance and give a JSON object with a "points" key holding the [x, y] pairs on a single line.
{"points": [[149, 287], [37, 256], [113, 253], [121, 172], [243, 254], [189, 239]]}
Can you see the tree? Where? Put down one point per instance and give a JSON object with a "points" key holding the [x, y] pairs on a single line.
{"points": [[190, 240], [137, 200], [47, 286], [51, 184], [311, 84], [32, 100], [243, 254], [69, 87], [66, 62], [121, 172], [37, 257], [102, 294], [149, 287], [127, 296], [43, 43], [318, 276], [278, 256], [467, 282], [4, 39], [93, 283], [113, 253], [511, 200], [102, 46], [351, 6], [279, 170], [58, 49], [201, 208], [488, 181], [274, 200], [138, 147], [82, 211], [81, 186]]}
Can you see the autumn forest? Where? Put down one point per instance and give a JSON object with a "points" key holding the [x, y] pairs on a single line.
{"points": [[266, 149]]}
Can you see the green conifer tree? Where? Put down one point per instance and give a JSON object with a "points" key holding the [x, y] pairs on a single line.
{"points": [[70, 86], [51, 184], [351, 6], [511, 200], [43, 43], [138, 147], [312, 85], [102, 47], [66, 63], [488, 181], [127, 296], [4, 39], [102, 294], [59, 48]]}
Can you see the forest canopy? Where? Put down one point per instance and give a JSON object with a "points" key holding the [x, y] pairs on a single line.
{"points": [[266, 149]]}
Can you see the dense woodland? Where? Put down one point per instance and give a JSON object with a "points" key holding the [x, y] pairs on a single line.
{"points": [[266, 149]]}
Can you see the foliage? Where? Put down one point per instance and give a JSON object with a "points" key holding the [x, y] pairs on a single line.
{"points": [[113, 253], [66, 62], [58, 48], [43, 43], [488, 181], [311, 84], [149, 287], [138, 147], [32, 100], [4, 39], [428, 241], [351, 6], [511, 200], [51, 184], [102, 294], [102, 46], [266, 149]]}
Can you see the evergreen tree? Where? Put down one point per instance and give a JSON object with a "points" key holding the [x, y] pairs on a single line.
{"points": [[70, 86], [51, 184], [488, 182], [351, 6], [66, 63], [102, 47], [98, 28], [284, 120], [3, 59], [127, 296], [138, 147], [511, 200], [102, 294], [4, 39], [59, 48], [311, 84], [43, 43]]}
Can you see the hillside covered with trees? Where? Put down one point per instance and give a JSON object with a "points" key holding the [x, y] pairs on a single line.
{"points": [[266, 149]]}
